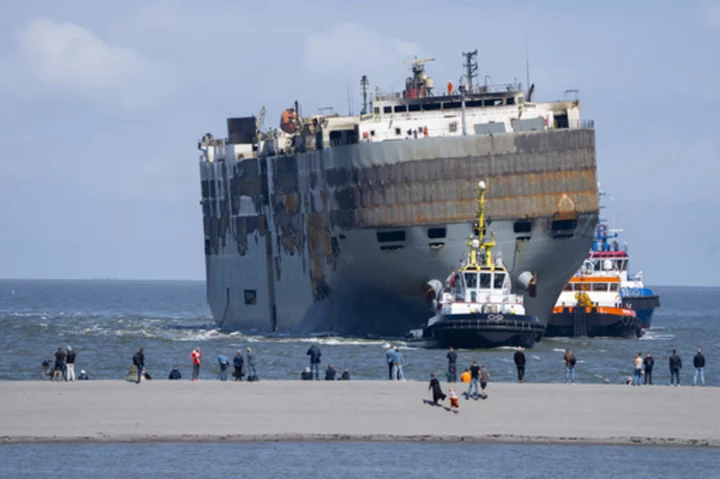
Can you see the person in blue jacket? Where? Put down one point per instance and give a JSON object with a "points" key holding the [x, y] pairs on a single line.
{"points": [[174, 374]]}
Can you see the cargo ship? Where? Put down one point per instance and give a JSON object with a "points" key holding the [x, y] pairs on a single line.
{"points": [[335, 223]]}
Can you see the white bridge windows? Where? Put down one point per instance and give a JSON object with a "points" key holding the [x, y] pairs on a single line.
{"points": [[471, 280], [485, 280], [498, 280]]}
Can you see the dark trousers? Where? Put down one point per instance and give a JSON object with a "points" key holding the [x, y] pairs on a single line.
{"points": [[223, 373], [675, 375], [521, 372], [452, 373], [390, 365], [238, 374], [139, 368], [315, 368], [648, 376], [196, 371]]}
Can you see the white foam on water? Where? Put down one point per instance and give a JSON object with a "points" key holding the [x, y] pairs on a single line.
{"points": [[536, 357], [653, 335], [558, 350]]}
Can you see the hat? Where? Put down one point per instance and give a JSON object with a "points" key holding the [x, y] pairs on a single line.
{"points": [[239, 351], [82, 371], [307, 370], [69, 348]]}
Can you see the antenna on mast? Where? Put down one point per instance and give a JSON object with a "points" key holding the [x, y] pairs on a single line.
{"points": [[364, 84], [471, 68], [527, 68]]}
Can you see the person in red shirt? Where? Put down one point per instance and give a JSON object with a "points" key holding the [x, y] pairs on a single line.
{"points": [[196, 355]]}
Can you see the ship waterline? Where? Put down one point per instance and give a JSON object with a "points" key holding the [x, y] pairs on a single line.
{"points": [[343, 239]]}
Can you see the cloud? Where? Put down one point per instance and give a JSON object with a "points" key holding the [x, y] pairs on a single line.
{"points": [[65, 57], [351, 49], [174, 17]]}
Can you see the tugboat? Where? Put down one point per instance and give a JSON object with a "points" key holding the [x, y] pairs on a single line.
{"points": [[633, 292], [591, 305], [474, 307]]}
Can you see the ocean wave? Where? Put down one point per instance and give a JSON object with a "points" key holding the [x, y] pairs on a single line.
{"points": [[656, 336]]}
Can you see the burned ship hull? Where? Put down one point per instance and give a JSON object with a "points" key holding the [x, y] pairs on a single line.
{"points": [[343, 239]]}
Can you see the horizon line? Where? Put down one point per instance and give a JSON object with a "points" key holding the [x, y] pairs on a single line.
{"points": [[204, 280]]}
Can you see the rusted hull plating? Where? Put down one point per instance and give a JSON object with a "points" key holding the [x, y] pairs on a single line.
{"points": [[291, 241]]}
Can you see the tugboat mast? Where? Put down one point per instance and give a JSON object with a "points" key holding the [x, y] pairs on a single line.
{"points": [[479, 243]]}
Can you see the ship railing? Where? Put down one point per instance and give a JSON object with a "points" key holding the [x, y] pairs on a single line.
{"points": [[572, 125], [441, 90]]}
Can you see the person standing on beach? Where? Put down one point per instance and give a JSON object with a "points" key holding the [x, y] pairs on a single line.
{"points": [[59, 364], [390, 358], [398, 365], [675, 366], [648, 362], [251, 361], [519, 359], [570, 362], [452, 365], [474, 379], [699, 365], [637, 373], [196, 356], [224, 365], [70, 362], [238, 363], [315, 353], [436, 390], [484, 380], [139, 363]]}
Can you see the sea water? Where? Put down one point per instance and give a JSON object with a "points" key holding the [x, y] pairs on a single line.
{"points": [[105, 322], [354, 460]]}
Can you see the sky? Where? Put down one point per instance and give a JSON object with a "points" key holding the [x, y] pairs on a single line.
{"points": [[102, 105]]}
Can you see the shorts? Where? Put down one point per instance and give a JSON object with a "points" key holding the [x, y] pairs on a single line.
{"points": [[454, 402], [59, 366], [483, 384]]}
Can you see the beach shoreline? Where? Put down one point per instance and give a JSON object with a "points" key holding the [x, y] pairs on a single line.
{"points": [[41, 412]]}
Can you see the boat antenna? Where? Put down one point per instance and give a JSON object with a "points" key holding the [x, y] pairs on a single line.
{"points": [[471, 68], [479, 242], [364, 84], [527, 68]]}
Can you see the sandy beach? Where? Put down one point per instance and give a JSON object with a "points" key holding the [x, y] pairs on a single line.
{"points": [[107, 411]]}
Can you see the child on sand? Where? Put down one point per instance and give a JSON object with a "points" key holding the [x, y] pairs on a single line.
{"points": [[454, 401]]}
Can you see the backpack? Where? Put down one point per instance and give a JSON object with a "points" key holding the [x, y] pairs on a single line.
{"points": [[573, 361]]}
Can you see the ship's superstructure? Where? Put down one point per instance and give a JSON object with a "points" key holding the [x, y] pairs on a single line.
{"points": [[336, 222]]}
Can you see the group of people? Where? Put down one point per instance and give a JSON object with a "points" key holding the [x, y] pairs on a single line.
{"points": [[644, 366], [63, 367], [243, 365], [330, 373]]}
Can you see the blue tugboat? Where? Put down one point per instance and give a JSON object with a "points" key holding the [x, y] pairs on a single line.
{"points": [[633, 292]]}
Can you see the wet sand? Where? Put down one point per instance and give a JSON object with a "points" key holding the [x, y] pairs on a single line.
{"points": [[108, 411]]}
